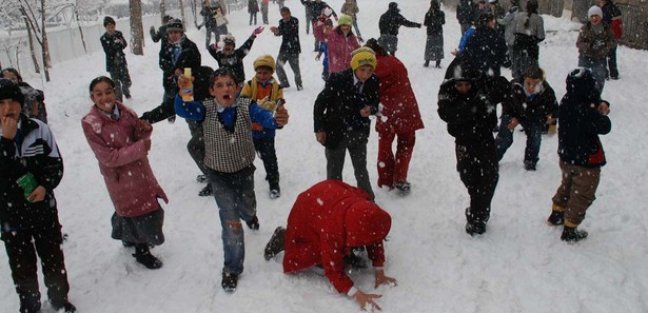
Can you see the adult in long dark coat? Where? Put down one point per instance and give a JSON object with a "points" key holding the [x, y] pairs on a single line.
{"points": [[434, 20]]}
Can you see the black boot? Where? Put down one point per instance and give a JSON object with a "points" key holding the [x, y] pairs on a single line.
{"points": [[229, 282], [403, 188], [143, 256], [529, 165], [206, 191], [427, 63], [556, 218], [475, 228], [276, 243], [438, 64], [253, 224], [63, 306], [275, 191], [571, 234]]}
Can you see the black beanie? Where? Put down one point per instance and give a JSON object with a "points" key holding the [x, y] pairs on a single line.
{"points": [[109, 20], [9, 90]]}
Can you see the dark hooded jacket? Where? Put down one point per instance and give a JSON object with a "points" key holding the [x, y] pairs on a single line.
{"points": [[392, 20], [580, 122]]}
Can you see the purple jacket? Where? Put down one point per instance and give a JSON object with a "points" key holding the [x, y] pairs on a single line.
{"points": [[122, 155]]}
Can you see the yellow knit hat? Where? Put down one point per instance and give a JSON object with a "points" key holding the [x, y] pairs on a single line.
{"points": [[363, 56], [345, 20], [265, 60]]}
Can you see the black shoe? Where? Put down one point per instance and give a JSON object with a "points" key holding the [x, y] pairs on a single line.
{"points": [[299, 87], [438, 64], [275, 192], [556, 218], [403, 188], [201, 178], [229, 282], [276, 243], [427, 63], [206, 191], [144, 257], [475, 228], [284, 86], [171, 119], [63, 307], [571, 234], [127, 244], [530, 166], [253, 224], [614, 77], [127, 95]]}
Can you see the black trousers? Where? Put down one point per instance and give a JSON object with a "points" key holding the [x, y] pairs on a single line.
{"points": [[22, 247], [478, 168], [196, 145], [266, 149]]}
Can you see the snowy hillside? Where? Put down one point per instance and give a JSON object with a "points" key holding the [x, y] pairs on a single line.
{"points": [[519, 265]]}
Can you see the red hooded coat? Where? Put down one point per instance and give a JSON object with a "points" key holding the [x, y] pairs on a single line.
{"points": [[326, 221], [400, 112], [119, 148]]}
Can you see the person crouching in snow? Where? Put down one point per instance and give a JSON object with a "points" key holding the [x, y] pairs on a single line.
{"points": [[399, 117], [229, 160], [582, 117], [326, 222], [267, 92], [121, 143]]}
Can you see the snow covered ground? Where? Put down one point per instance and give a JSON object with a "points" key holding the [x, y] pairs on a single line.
{"points": [[519, 265]]}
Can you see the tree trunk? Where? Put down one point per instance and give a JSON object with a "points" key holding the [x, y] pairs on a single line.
{"points": [[137, 29], [47, 62], [162, 10], [76, 14], [32, 50], [182, 13]]}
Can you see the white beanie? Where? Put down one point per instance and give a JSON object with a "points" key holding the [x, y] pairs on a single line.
{"points": [[594, 10]]}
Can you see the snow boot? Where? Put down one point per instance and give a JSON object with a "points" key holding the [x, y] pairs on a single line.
{"points": [[201, 178], [276, 243], [253, 224], [529, 165], [403, 188], [229, 282], [143, 256], [475, 228], [206, 192], [438, 64], [63, 306], [556, 218], [571, 234], [427, 63]]}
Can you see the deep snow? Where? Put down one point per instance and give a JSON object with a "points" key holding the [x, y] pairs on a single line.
{"points": [[519, 265]]}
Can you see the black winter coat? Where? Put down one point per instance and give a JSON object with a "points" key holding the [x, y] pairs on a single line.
{"points": [[465, 12], [486, 50], [337, 107], [471, 118], [189, 57], [580, 123], [234, 61], [534, 109], [114, 45], [290, 31], [316, 8], [434, 22], [392, 20], [39, 155]]}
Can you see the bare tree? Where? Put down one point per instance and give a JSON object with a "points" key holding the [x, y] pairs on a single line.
{"points": [[31, 46], [76, 15], [137, 29], [162, 10], [39, 31]]}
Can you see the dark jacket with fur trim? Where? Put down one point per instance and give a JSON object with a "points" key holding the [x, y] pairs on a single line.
{"points": [[39, 155], [531, 109]]}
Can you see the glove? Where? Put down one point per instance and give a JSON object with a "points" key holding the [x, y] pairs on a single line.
{"points": [[257, 31]]}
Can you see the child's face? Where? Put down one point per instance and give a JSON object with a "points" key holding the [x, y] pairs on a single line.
{"points": [[364, 72], [9, 108], [263, 74], [285, 15], [327, 28], [103, 96], [228, 49], [174, 36], [531, 85], [224, 90], [110, 28], [463, 87], [345, 28], [595, 19]]}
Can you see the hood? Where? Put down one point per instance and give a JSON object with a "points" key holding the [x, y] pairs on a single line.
{"points": [[366, 223], [580, 85]]}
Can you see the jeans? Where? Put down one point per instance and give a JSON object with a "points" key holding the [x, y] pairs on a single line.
{"points": [[504, 140], [356, 143], [234, 194], [266, 149], [293, 60], [598, 69]]}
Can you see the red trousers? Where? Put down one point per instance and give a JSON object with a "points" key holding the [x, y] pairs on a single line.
{"points": [[393, 170]]}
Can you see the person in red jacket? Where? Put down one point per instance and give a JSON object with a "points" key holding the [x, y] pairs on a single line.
{"points": [[325, 223], [399, 117]]}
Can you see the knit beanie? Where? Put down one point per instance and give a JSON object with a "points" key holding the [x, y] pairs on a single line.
{"points": [[108, 20], [594, 10], [363, 56], [175, 25], [265, 61], [9, 90], [345, 20]]}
